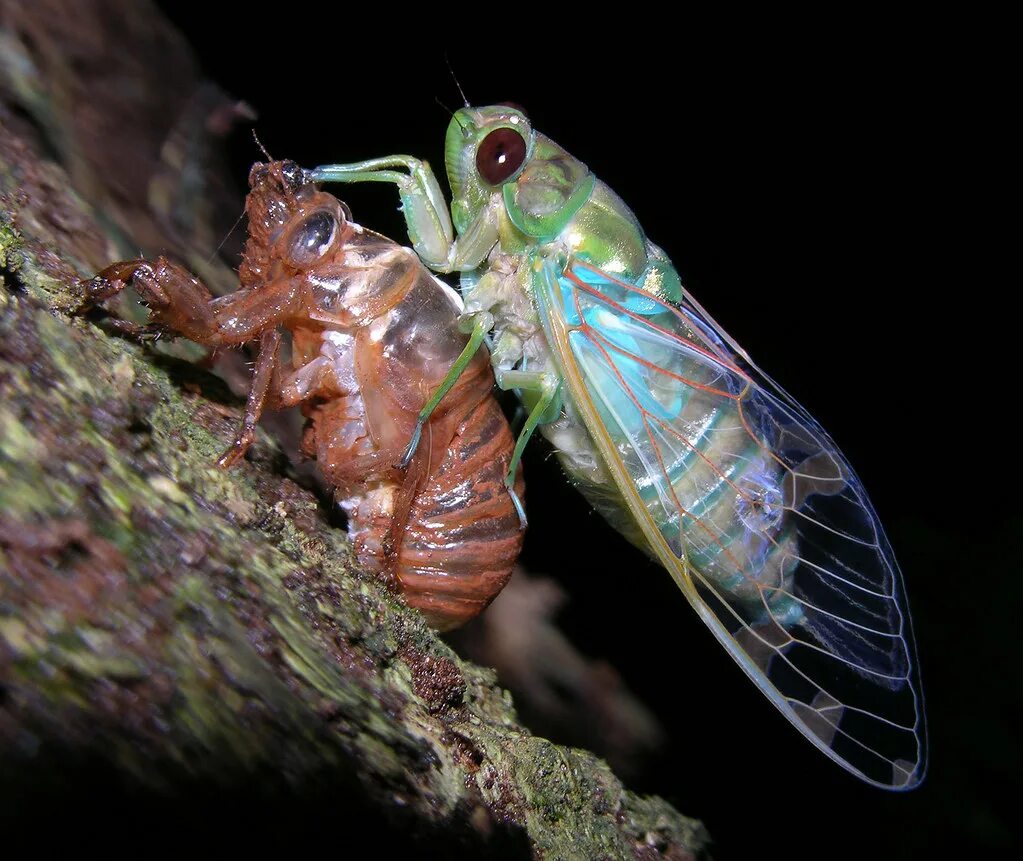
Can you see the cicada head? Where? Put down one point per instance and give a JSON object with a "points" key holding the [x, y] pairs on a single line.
{"points": [[494, 152], [292, 223], [484, 149]]}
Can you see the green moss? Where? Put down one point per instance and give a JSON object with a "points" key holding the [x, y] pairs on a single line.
{"points": [[10, 245], [16, 443]]}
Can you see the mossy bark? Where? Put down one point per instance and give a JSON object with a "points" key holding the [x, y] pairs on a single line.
{"points": [[184, 630]]}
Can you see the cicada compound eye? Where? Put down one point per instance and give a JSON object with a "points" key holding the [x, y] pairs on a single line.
{"points": [[294, 177], [312, 239], [500, 155]]}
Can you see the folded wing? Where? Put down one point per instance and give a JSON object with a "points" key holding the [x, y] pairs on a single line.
{"points": [[754, 511]]}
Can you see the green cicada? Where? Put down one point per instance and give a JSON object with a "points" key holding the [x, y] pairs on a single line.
{"points": [[671, 431]]}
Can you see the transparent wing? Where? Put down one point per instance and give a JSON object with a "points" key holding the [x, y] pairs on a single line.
{"points": [[753, 510]]}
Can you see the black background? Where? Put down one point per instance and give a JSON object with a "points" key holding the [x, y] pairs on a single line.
{"points": [[801, 185]]}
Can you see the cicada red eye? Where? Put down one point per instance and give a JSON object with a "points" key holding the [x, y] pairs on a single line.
{"points": [[500, 155]]}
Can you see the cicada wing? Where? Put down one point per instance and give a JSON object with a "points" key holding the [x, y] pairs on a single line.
{"points": [[754, 511]]}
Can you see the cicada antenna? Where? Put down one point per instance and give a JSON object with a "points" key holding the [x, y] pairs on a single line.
{"points": [[454, 115], [227, 236], [458, 84], [262, 148], [238, 221]]}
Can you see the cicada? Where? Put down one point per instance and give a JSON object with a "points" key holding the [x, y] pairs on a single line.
{"points": [[372, 333], [672, 432]]}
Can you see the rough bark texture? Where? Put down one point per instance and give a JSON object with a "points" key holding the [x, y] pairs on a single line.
{"points": [[176, 634]]}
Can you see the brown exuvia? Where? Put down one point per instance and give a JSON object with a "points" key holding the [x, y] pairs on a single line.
{"points": [[373, 333]]}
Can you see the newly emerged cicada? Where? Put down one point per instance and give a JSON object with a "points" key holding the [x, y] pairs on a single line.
{"points": [[672, 432], [372, 335]]}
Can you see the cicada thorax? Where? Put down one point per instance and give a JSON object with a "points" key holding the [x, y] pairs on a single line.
{"points": [[445, 528]]}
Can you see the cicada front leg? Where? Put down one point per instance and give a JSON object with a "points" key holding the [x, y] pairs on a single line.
{"points": [[430, 230], [180, 304], [265, 389], [176, 301], [425, 210]]}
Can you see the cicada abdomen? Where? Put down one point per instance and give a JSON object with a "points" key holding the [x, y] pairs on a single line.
{"points": [[373, 334]]}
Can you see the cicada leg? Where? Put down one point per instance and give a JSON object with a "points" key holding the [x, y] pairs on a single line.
{"points": [[181, 304], [480, 326], [426, 212], [546, 388], [264, 383]]}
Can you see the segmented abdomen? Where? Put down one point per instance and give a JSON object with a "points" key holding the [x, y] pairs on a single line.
{"points": [[463, 535]]}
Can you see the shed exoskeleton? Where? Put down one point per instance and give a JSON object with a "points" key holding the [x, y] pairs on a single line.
{"points": [[373, 334]]}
